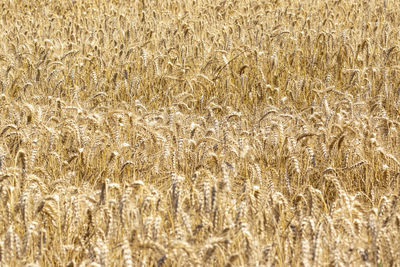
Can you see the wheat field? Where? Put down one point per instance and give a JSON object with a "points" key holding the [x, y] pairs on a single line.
{"points": [[199, 133]]}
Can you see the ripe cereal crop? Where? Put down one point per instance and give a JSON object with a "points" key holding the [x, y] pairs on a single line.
{"points": [[199, 133]]}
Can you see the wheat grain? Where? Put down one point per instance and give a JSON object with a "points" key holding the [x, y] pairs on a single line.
{"points": [[278, 134]]}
